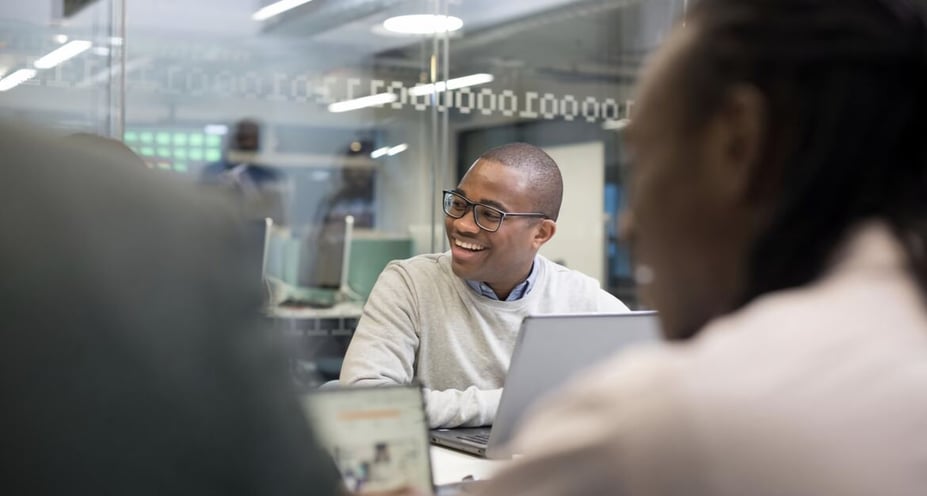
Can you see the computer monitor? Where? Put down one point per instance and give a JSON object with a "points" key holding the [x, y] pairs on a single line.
{"points": [[315, 273], [322, 255]]}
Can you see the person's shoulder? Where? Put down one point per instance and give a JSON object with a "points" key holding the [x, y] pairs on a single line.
{"points": [[266, 173], [637, 385], [562, 273], [640, 368], [211, 171], [421, 274], [214, 167], [428, 263]]}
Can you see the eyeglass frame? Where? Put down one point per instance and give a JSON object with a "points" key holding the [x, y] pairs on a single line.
{"points": [[471, 207]]}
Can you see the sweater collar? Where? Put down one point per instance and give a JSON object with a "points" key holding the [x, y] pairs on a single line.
{"points": [[517, 293]]}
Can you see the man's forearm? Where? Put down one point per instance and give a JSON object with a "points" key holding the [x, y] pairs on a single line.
{"points": [[455, 408]]}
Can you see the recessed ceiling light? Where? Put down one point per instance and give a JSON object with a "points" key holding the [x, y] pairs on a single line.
{"points": [[422, 24]]}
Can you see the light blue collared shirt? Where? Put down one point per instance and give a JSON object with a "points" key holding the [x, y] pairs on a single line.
{"points": [[518, 292]]}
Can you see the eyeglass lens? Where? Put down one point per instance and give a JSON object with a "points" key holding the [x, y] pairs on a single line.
{"points": [[485, 217]]}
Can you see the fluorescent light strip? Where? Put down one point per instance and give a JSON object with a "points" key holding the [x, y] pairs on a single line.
{"points": [[616, 125], [359, 103], [217, 129], [17, 78], [422, 24], [452, 84], [276, 8], [64, 52], [397, 149], [379, 152]]}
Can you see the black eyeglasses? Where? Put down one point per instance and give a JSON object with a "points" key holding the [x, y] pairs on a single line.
{"points": [[486, 217]]}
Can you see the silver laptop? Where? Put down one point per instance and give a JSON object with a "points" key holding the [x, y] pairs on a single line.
{"points": [[549, 351], [377, 438]]}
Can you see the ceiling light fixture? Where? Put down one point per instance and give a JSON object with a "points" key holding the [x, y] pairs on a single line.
{"points": [[422, 24], [363, 102], [379, 152], [452, 84], [216, 129], [17, 78], [617, 125], [397, 149], [276, 8], [62, 53]]}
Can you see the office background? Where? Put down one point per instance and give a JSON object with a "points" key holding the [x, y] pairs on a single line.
{"points": [[171, 77]]}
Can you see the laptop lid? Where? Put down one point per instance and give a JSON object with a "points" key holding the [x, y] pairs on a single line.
{"points": [[377, 436], [552, 349]]}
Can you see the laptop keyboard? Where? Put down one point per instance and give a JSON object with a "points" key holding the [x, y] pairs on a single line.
{"points": [[479, 438]]}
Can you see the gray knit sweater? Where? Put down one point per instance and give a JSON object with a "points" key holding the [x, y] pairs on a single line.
{"points": [[423, 322]]}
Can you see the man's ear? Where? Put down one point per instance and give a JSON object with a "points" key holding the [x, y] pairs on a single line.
{"points": [[737, 138], [544, 231]]}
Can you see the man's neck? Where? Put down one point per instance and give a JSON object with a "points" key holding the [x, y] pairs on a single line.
{"points": [[502, 292], [502, 295]]}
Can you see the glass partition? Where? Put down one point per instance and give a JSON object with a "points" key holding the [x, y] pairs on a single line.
{"points": [[59, 64], [562, 74], [337, 108]]}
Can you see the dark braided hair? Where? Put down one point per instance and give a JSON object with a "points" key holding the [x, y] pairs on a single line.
{"points": [[846, 87]]}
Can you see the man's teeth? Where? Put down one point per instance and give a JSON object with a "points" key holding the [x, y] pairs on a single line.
{"points": [[468, 246]]}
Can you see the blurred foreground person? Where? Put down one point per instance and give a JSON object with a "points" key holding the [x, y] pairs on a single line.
{"points": [[779, 216], [132, 360], [113, 148]]}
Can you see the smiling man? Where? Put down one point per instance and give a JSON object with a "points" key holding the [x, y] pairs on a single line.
{"points": [[449, 320]]}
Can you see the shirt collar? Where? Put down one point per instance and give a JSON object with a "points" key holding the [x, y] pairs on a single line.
{"points": [[517, 293]]}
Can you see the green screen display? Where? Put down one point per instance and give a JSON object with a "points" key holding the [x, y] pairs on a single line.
{"points": [[172, 149]]}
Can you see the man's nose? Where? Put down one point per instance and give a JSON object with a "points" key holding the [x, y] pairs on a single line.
{"points": [[467, 223]]}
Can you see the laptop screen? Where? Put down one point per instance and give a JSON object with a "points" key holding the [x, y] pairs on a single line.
{"points": [[377, 437]]}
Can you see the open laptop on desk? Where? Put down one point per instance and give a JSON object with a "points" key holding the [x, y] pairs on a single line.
{"points": [[550, 350], [377, 437]]}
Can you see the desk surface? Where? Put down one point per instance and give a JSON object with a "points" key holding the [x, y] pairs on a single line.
{"points": [[452, 466], [339, 310]]}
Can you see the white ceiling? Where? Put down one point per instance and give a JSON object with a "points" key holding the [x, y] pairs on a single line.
{"points": [[346, 29], [557, 43]]}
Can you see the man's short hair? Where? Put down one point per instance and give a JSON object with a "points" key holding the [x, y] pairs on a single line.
{"points": [[542, 171]]}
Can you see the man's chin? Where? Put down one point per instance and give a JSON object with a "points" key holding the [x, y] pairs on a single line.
{"points": [[458, 270], [462, 271]]}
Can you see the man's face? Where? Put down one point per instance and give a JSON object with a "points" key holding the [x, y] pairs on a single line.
{"points": [[247, 137], [680, 220], [502, 258]]}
